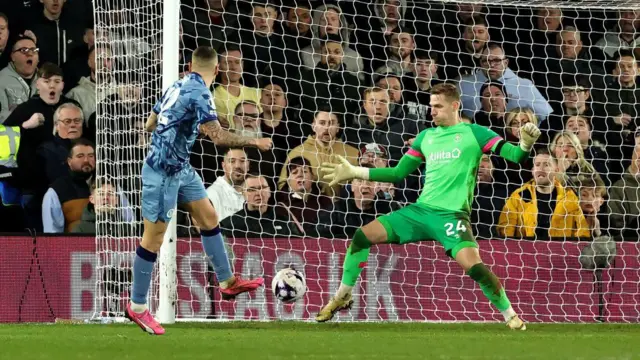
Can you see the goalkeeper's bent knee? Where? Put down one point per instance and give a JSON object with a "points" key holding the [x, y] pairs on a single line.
{"points": [[359, 242], [481, 274]]}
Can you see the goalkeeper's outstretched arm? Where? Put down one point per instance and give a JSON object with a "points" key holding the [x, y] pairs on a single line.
{"points": [[344, 171], [222, 137], [529, 133]]}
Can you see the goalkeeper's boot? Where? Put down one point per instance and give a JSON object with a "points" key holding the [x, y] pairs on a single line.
{"points": [[240, 286], [335, 304], [145, 320], [515, 323]]}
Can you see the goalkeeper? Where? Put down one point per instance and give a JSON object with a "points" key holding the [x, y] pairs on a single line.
{"points": [[452, 152]]}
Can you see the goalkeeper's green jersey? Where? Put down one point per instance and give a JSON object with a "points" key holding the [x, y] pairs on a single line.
{"points": [[452, 155]]}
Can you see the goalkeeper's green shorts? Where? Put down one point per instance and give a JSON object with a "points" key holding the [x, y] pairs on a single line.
{"points": [[417, 222]]}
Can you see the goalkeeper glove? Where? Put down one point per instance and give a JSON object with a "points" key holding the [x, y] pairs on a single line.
{"points": [[529, 133], [343, 171]]}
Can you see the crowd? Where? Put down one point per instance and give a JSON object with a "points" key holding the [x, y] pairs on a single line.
{"points": [[322, 79]]}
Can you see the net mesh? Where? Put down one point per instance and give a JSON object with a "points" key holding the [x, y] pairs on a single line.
{"points": [[565, 65]]}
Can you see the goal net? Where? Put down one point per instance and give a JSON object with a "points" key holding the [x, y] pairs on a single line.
{"points": [[322, 80]]}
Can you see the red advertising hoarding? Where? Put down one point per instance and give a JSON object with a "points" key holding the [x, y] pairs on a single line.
{"points": [[55, 277]]}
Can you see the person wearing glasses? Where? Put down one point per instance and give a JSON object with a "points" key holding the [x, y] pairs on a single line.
{"points": [[18, 79], [35, 117], [68, 127], [494, 66]]}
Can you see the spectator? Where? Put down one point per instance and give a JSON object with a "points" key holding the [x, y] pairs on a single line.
{"points": [[594, 152], [328, 86], [488, 201], [18, 79], [592, 194], [58, 32], [417, 86], [507, 172], [322, 147], [67, 197], [393, 84], [575, 96], [624, 201], [297, 25], [493, 100], [248, 122], [569, 59], [466, 56], [230, 91], [374, 26], [543, 208], [535, 44], [114, 209], [570, 161], [328, 20], [495, 67], [211, 23], [53, 153], [263, 49], [376, 125], [398, 59], [346, 215], [226, 192], [86, 93], [624, 36], [4, 38], [621, 104], [77, 65], [258, 219], [279, 122], [300, 197], [373, 155]]}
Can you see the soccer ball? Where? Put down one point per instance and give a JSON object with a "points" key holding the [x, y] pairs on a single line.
{"points": [[288, 285]]}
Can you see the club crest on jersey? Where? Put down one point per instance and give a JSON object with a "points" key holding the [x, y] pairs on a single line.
{"points": [[458, 138]]}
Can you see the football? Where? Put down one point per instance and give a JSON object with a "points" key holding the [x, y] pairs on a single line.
{"points": [[288, 285]]}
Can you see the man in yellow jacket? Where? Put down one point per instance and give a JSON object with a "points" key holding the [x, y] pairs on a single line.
{"points": [[322, 147], [543, 208]]}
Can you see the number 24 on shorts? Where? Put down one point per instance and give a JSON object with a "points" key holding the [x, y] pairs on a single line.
{"points": [[459, 228]]}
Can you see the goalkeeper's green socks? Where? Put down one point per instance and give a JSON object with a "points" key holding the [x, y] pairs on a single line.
{"points": [[492, 289], [354, 262]]}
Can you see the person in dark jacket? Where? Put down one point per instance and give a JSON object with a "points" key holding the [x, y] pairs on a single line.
{"points": [[381, 125], [58, 32], [53, 153], [348, 214], [329, 86], [258, 219], [488, 201], [30, 175], [300, 198], [263, 49], [67, 197]]}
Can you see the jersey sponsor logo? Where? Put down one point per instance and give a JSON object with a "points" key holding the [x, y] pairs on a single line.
{"points": [[443, 156]]}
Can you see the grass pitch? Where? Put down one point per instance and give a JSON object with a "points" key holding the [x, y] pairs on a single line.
{"points": [[288, 340]]}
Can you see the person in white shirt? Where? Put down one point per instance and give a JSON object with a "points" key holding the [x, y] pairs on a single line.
{"points": [[226, 192]]}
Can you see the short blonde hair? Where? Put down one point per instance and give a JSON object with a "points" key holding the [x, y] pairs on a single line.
{"points": [[512, 115]]}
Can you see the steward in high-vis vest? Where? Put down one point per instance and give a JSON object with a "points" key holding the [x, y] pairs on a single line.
{"points": [[9, 145]]}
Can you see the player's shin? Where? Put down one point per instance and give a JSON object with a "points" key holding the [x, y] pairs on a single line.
{"points": [[492, 289], [142, 270], [213, 244], [354, 262]]}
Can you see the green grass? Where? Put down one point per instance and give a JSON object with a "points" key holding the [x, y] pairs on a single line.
{"points": [[288, 340]]}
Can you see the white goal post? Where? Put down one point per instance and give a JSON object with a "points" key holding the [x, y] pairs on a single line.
{"points": [[560, 280]]}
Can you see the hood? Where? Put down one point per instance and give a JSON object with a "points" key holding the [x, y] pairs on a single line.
{"points": [[315, 25], [10, 71], [86, 82], [89, 214], [379, 13]]}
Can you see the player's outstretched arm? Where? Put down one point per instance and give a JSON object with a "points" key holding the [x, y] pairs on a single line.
{"points": [[344, 171], [222, 137], [529, 134]]}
